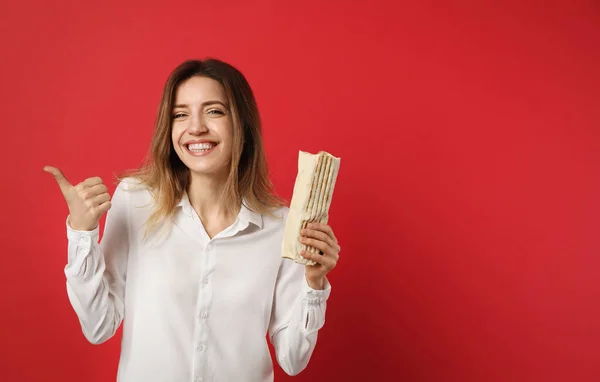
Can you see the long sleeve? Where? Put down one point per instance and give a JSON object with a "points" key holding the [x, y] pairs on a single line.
{"points": [[298, 315], [95, 272]]}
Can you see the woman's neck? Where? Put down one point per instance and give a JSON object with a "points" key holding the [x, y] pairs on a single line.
{"points": [[206, 197]]}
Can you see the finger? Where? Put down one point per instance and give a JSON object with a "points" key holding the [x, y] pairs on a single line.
{"points": [[104, 207], [325, 262], [312, 256], [97, 200], [90, 182], [323, 228], [318, 244], [62, 181], [319, 235], [95, 190]]}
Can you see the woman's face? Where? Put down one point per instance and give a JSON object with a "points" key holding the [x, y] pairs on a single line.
{"points": [[202, 131]]}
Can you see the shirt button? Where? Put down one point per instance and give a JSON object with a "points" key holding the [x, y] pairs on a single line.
{"points": [[205, 280], [209, 246], [200, 347], [203, 314]]}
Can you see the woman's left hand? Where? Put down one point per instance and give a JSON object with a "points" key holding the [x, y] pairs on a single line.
{"points": [[321, 237]]}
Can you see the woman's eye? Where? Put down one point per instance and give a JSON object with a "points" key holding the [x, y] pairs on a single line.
{"points": [[178, 115], [215, 111]]}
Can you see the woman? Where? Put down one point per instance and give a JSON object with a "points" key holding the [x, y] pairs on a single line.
{"points": [[190, 257]]}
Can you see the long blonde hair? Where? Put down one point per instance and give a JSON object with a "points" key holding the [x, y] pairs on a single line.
{"points": [[167, 178]]}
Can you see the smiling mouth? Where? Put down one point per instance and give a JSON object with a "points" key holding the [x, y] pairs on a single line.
{"points": [[200, 148]]}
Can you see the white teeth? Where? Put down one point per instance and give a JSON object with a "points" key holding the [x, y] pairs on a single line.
{"points": [[200, 146]]}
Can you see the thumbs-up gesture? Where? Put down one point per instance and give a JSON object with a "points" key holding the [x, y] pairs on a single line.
{"points": [[87, 201]]}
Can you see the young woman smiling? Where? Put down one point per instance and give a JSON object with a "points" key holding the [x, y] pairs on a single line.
{"points": [[189, 261]]}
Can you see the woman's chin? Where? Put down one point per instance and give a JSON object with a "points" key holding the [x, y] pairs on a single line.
{"points": [[212, 171]]}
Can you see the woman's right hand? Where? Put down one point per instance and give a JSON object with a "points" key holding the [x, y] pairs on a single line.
{"points": [[87, 201]]}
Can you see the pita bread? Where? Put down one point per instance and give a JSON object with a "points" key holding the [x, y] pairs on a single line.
{"points": [[313, 196], [311, 200]]}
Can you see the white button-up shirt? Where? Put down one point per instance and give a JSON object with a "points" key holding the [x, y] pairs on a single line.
{"points": [[193, 308]]}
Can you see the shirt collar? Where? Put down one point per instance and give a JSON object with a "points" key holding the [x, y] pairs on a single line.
{"points": [[245, 216]]}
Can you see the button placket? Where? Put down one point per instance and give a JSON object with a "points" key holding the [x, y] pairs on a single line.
{"points": [[203, 308]]}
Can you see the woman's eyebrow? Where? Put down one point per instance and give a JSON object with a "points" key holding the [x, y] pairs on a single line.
{"points": [[207, 103]]}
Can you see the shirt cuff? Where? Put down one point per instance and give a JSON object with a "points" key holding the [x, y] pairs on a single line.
{"points": [[316, 296], [73, 234], [80, 259]]}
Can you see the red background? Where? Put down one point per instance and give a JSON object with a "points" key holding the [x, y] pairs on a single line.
{"points": [[467, 204]]}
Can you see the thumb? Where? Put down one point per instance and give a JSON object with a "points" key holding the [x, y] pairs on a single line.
{"points": [[62, 181]]}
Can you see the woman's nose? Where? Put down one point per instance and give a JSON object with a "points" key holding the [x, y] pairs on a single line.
{"points": [[197, 126]]}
